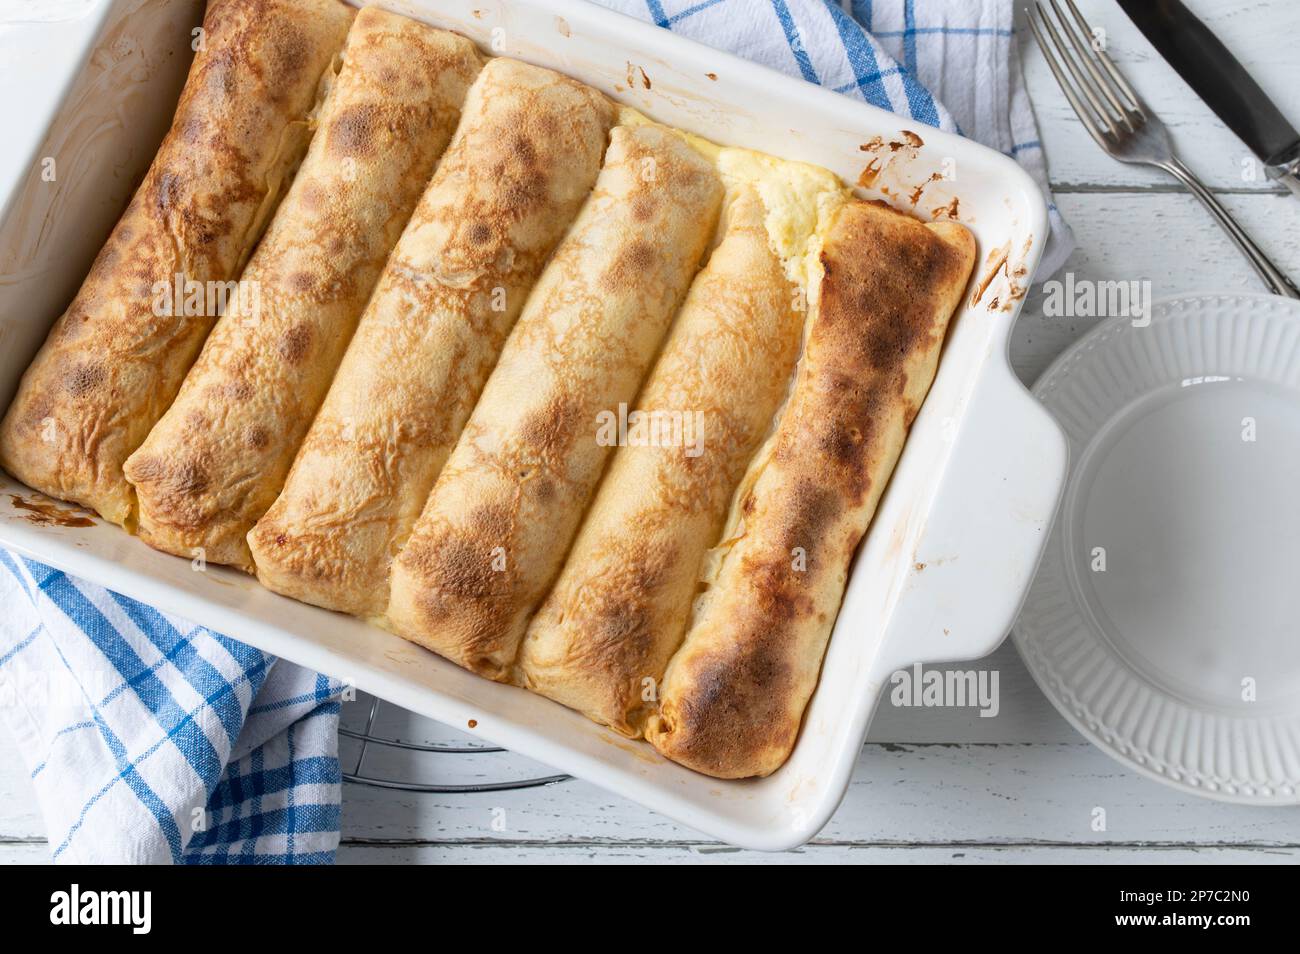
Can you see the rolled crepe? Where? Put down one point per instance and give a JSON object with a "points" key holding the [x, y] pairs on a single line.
{"points": [[734, 694], [215, 462], [496, 526], [603, 636], [526, 154], [115, 359]]}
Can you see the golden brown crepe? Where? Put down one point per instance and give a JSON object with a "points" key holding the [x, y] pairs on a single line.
{"points": [[215, 462], [734, 694], [115, 359], [603, 636], [526, 154], [494, 531]]}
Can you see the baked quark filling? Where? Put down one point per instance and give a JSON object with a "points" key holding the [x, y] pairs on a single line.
{"points": [[800, 199]]}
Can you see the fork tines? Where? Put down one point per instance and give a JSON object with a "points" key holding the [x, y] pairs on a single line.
{"points": [[1100, 95]]}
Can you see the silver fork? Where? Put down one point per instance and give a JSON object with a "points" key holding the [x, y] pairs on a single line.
{"points": [[1123, 126]]}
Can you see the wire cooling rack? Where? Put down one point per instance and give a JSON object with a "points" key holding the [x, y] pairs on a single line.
{"points": [[370, 743]]}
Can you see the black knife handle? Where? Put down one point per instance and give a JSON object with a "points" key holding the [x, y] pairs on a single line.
{"points": [[1216, 76]]}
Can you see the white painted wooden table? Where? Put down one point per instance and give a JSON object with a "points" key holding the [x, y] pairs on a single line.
{"points": [[932, 785]]}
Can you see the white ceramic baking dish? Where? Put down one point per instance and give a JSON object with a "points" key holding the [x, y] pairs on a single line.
{"points": [[958, 534]]}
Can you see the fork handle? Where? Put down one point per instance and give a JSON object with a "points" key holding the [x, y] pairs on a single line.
{"points": [[1273, 277]]}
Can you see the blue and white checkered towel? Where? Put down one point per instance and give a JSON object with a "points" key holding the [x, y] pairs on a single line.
{"points": [[151, 739]]}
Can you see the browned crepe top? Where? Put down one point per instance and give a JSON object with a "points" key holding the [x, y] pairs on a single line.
{"points": [[112, 364], [524, 157], [493, 534], [617, 613], [216, 460], [736, 692]]}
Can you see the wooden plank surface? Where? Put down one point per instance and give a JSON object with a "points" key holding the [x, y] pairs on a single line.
{"points": [[813, 854], [1260, 33], [901, 794], [1041, 801]]}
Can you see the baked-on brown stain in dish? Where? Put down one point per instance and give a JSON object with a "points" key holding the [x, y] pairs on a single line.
{"points": [[950, 211], [882, 152], [994, 263], [46, 513], [637, 76]]}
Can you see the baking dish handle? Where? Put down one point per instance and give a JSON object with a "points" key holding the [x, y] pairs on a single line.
{"points": [[978, 552]]}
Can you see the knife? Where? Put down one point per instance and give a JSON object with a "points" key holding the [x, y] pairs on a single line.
{"points": [[1222, 82]]}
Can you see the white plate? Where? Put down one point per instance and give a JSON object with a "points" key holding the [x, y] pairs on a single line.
{"points": [[1164, 622], [959, 530]]}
